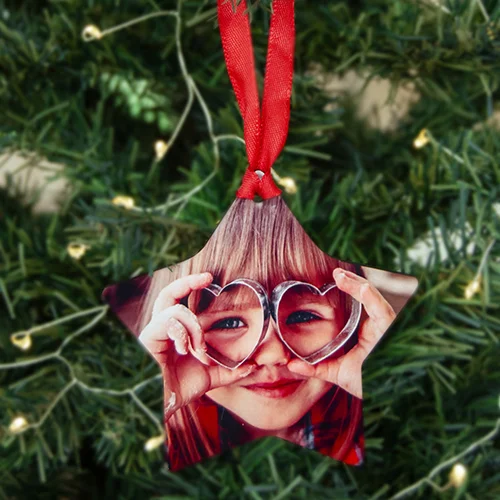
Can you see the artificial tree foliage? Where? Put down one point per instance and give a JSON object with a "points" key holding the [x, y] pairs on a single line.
{"points": [[89, 393]]}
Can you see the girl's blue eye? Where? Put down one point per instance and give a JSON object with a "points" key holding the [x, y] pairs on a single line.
{"points": [[301, 317], [227, 324]]}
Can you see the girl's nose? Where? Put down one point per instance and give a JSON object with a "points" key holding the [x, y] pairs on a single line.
{"points": [[271, 351]]}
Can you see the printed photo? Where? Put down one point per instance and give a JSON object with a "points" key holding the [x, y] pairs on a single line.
{"points": [[260, 334]]}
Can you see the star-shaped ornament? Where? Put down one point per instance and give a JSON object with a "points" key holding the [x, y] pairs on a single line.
{"points": [[259, 334]]}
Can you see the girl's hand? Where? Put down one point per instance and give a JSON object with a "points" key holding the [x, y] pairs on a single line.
{"points": [[346, 370], [175, 339]]}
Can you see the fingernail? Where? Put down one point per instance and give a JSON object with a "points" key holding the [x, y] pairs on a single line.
{"points": [[174, 323], [175, 327], [349, 274], [181, 348], [246, 370], [340, 274]]}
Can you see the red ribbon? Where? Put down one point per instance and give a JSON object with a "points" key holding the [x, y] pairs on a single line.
{"points": [[265, 132]]}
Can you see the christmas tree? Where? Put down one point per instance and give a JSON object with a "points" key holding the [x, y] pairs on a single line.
{"points": [[121, 149]]}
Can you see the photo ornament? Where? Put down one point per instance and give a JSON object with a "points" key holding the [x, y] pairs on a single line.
{"points": [[260, 334]]}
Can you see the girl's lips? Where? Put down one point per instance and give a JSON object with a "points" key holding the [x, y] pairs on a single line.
{"points": [[278, 389]]}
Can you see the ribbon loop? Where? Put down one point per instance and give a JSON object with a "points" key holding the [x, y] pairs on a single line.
{"points": [[265, 131]]}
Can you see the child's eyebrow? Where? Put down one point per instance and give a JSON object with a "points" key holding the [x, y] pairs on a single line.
{"points": [[240, 299], [219, 307]]}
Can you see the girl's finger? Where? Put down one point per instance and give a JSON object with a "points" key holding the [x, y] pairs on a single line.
{"points": [[220, 376], [325, 370], [344, 372], [190, 321], [349, 274], [154, 336], [178, 289], [156, 330], [178, 333], [364, 292]]}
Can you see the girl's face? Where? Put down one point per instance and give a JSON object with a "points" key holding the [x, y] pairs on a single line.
{"points": [[272, 398]]}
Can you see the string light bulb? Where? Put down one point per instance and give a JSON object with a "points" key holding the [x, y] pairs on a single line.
{"points": [[472, 288], [475, 285], [91, 32], [77, 250], [458, 475], [22, 341], [492, 30], [18, 425], [161, 148], [126, 202], [422, 139], [288, 184], [154, 442]]}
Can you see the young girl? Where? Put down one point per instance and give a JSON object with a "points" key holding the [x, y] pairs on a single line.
{"points": [[233, 373]]}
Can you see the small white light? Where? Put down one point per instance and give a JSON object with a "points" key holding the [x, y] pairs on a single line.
{"points": [[458, 475], [289, 185], [23, 342], [124, 201], [422, 139], [472, 288], [154, 442], [90, 33], [18, 425], [77, 250], [161, 148]]}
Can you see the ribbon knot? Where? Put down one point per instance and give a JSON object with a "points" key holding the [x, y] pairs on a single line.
{"points": [[253, 184], [265, 130]]}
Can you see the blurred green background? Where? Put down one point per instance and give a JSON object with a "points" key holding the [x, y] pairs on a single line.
{"points": [[79, 121]]}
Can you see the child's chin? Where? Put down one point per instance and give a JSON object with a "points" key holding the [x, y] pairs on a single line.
{"points": [[271, 424]]}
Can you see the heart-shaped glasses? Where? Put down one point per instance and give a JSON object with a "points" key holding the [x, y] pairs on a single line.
{"points": [[313, 323]]}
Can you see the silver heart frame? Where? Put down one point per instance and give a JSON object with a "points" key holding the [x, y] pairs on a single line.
{"points": [[270, 309], [335, 344], [260, 291]]}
